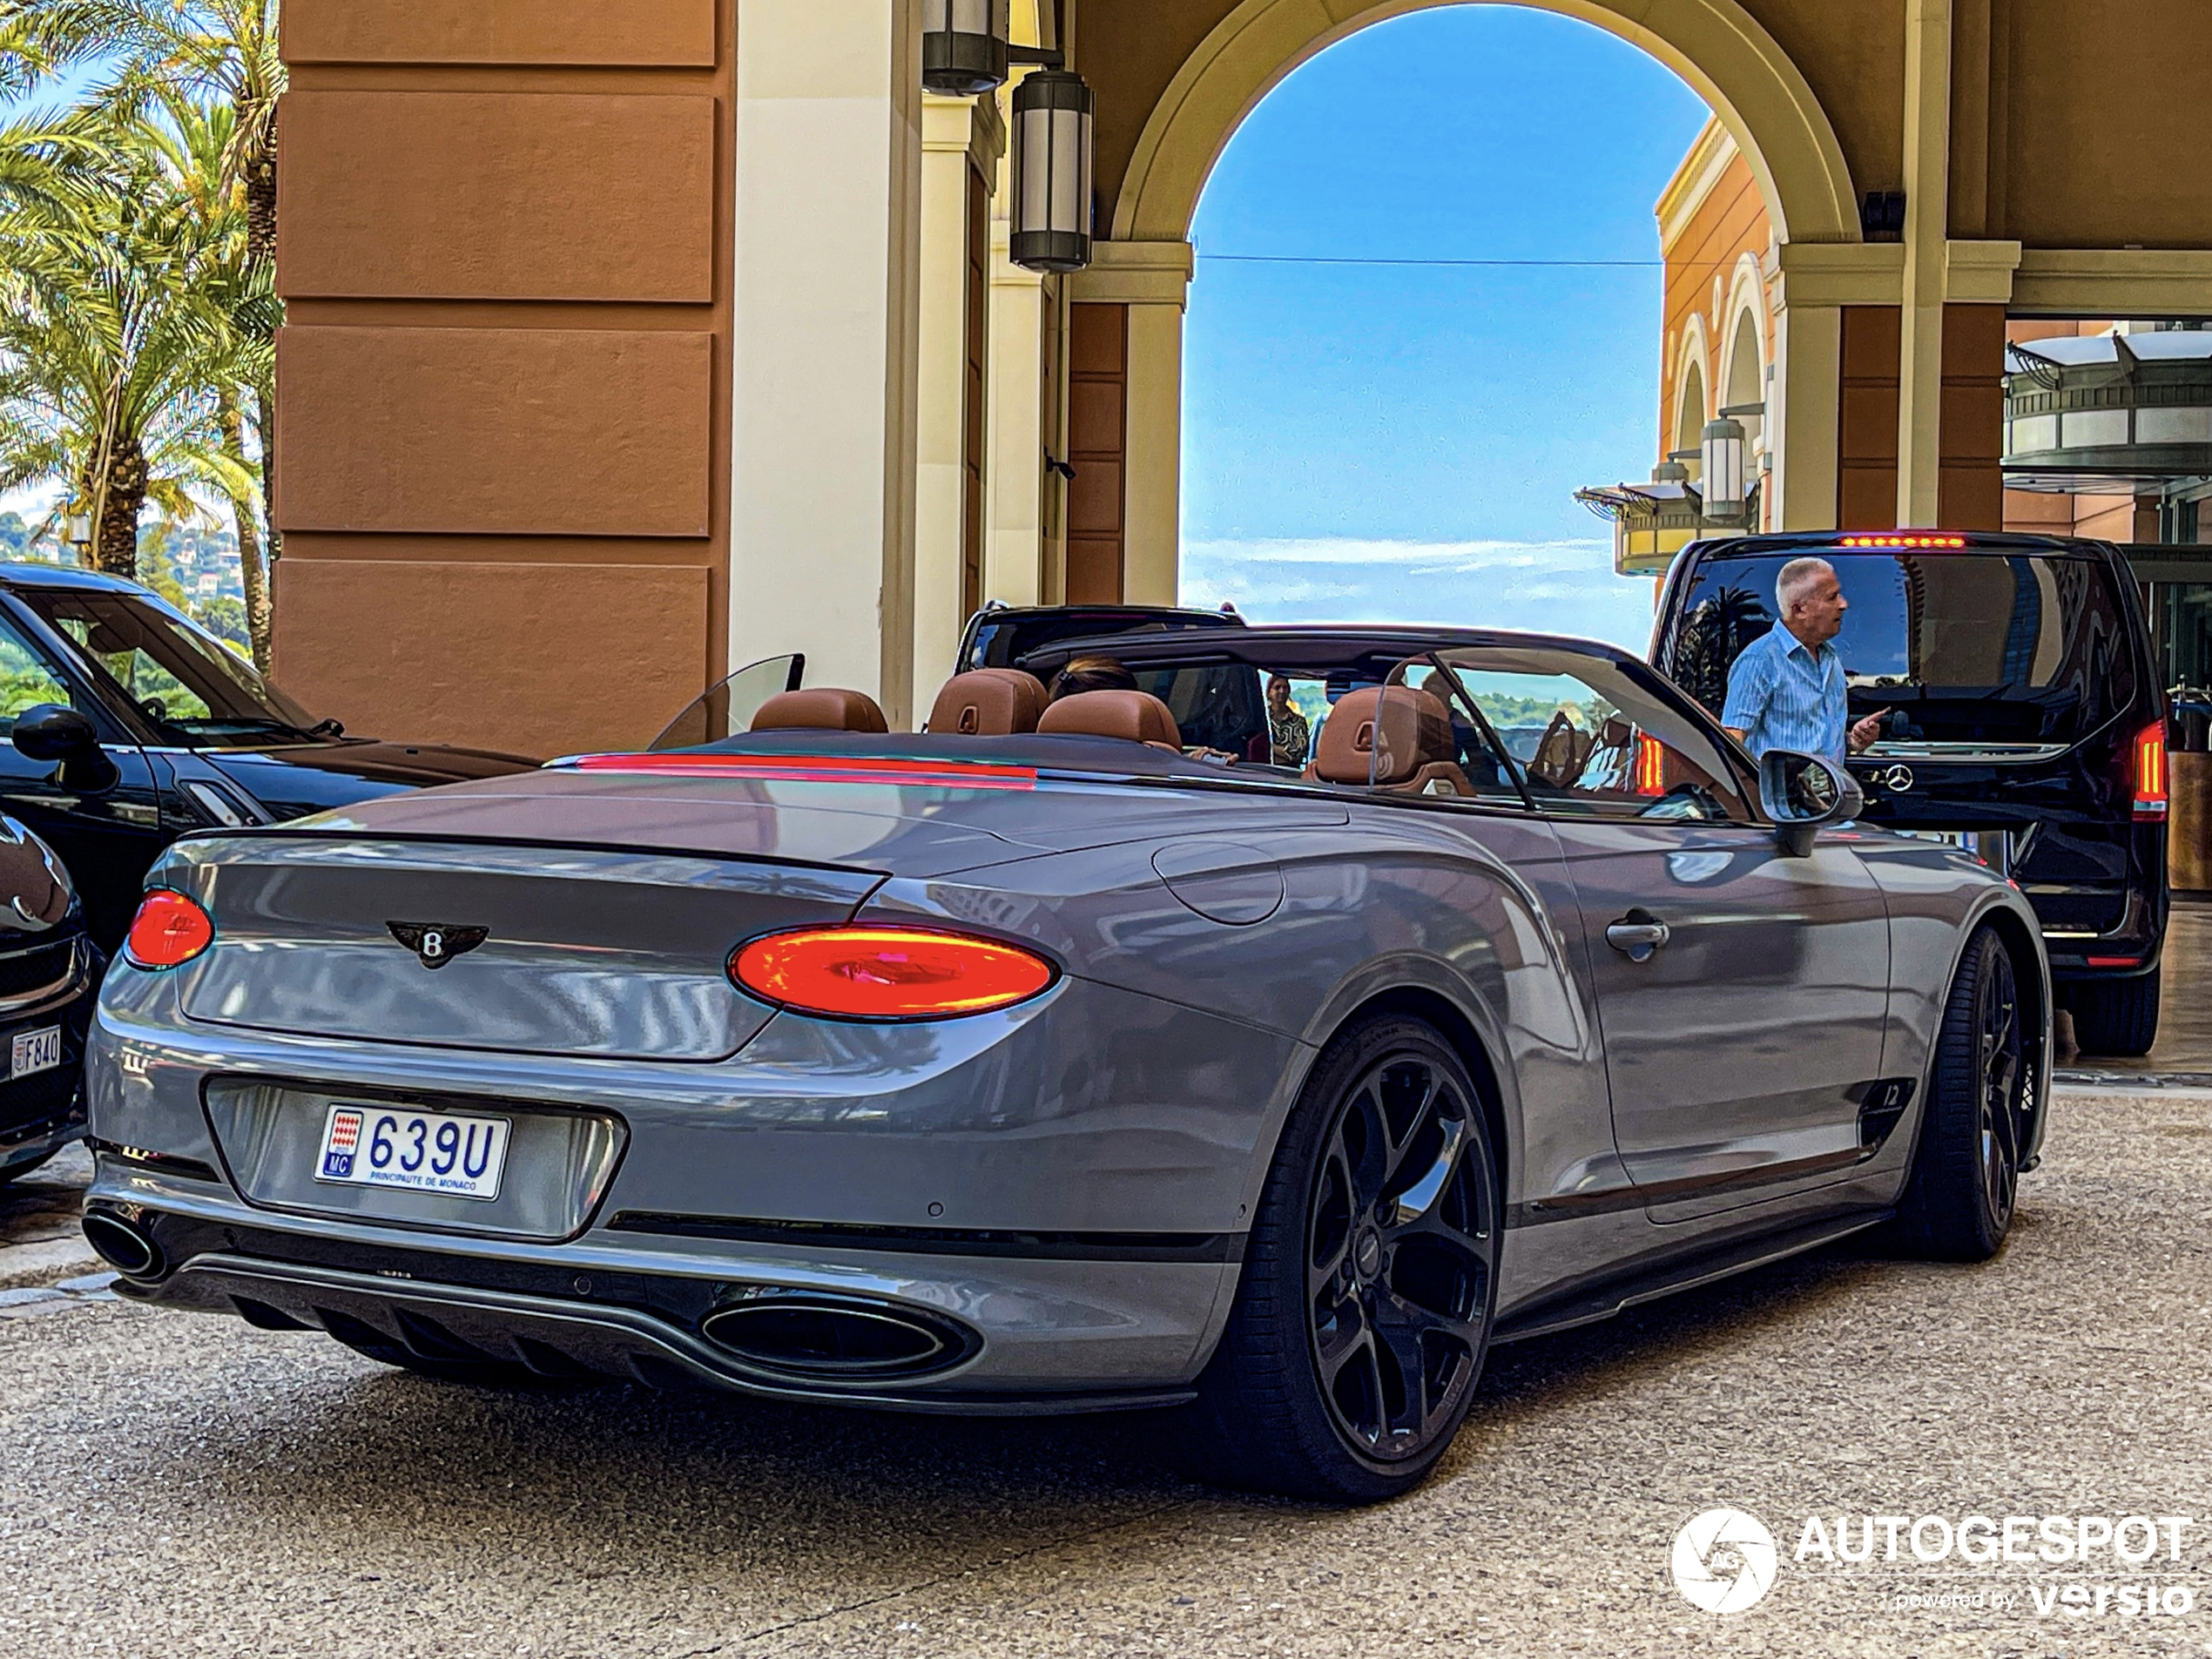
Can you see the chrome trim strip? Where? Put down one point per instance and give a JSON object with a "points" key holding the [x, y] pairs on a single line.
{"points": [[71, 980]]}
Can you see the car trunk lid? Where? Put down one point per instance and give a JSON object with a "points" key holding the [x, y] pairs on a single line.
{"points": [[537, 949]]}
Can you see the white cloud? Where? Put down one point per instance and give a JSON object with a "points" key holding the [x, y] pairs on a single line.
{"points": [[1563, 587]]}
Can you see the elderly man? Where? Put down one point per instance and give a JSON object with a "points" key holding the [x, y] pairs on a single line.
{"points": [[1787, 689]]}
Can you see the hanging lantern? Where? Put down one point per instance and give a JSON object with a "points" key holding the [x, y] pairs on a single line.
{"points": [[1721, 468], [1052, 149], [964, 45]]}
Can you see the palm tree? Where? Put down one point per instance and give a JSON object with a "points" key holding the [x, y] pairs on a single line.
{"points": [[220, 54], [118, 331], [193, 142]]}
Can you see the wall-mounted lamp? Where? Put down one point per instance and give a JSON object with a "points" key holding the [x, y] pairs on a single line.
{"points": [[964, 44], [1053, 114], [1721, 468]]}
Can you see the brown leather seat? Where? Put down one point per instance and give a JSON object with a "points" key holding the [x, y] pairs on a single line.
{"points": [[989, 702], [821, 708], [1137, 717], [1396, 738]]}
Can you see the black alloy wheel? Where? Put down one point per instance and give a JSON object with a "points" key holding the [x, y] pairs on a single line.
{"points": [[1959, 1199], [2001, 1064], [1362, 1318]]}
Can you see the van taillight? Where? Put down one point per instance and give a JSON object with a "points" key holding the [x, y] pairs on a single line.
{"points": [[2150, 773], [1650, 765]]}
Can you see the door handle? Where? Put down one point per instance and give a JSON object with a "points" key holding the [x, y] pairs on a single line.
{"points": [[1637, 934]]}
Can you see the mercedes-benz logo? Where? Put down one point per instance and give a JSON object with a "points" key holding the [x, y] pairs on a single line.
{"points": [[1897, 779]]}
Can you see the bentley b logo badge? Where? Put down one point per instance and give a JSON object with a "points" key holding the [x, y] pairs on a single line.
{"points": [[434, 942]]}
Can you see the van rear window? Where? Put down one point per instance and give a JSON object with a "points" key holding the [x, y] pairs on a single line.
{"points": [[1991, 647]]}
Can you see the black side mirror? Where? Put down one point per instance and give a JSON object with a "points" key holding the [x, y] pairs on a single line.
{"points": [[1801, 793], [49, 731]]}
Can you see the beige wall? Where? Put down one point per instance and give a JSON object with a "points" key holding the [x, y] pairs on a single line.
{"points": [[539, 276], [504, 408]]}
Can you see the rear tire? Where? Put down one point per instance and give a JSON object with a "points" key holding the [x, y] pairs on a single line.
{"points": [[1958, 1199], [1363, 1314], [2117, 1017]]}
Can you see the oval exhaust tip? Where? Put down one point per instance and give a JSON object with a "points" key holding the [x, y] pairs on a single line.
{"points": [[123, 1245], [823, 1338]]}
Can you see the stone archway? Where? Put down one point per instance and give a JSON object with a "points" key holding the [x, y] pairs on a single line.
{"points": [[1716, 45]]}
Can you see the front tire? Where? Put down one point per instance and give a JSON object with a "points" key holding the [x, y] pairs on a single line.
{"points": [[2117, 1017], [1363, 1315], [1974, 1128]]}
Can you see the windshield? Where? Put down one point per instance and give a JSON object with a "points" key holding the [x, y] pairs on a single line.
{"points": [[1969, 648], [199, 690]]}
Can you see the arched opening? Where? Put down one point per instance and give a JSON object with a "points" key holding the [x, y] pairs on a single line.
{"points": [[1690, 417], [1778, 133], [1717, 47], [1428, 277], [1744, 389]]}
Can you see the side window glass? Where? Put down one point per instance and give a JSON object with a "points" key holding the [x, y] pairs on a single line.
{"points": [[725, 709], [1591, 742], [26, 680]]}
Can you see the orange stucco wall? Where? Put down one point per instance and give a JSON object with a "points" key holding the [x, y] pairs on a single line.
{"points": [[1729, 222], [503, 463]]}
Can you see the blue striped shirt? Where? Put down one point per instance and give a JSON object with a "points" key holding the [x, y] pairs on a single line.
{"points": [[1782, 694]]}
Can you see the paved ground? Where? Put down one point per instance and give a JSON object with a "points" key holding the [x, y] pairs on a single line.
{"points": [[2184, 1046], [174, 1486]]}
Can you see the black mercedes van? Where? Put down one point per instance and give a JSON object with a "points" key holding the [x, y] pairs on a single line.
{"points": [[2025, 718]]}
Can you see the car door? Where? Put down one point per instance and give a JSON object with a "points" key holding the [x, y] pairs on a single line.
{"points": [[108, 837], [1743, 994]]}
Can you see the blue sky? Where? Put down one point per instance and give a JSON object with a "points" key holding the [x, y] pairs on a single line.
{"points": [[1376, 441]]}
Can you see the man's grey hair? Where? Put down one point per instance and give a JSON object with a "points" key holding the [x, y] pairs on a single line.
{"points": [[1796, 579]]}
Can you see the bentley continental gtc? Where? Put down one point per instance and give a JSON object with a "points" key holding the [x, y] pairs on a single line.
{"points": [[1260, 1036]]}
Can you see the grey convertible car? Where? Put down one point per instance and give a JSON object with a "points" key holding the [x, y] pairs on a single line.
{"points": [[1263, 1042]]}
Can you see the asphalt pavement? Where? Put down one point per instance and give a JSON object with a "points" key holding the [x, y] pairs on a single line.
{"points": [[174, 1485]]}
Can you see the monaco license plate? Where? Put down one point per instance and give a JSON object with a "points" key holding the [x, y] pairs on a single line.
{"points": [[413, 1151], [34, 1051]]}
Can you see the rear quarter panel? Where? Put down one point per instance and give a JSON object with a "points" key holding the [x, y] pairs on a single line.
{"points": [[1471, 909]]}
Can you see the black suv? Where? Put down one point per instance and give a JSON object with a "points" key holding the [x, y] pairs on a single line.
{"points": [[1000, 636], [2026, 720], [124, 724]]}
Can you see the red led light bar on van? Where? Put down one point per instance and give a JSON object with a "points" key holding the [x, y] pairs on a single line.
{"points": [[1903, 541], [2150, 773], [816, 769]]}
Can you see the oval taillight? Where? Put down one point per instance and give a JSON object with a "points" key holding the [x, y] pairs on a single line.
{"points": [[168, 931], [864, 973]]}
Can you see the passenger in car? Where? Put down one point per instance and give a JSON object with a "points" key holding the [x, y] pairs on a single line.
{"points": [[1092, 674], [1290, 735]]}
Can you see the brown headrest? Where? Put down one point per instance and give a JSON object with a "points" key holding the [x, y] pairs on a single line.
{"points": [[989, 702], [1382, 734], [1138, 716], [821, 708]]}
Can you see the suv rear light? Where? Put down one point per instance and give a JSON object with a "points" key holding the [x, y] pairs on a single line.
{"points": [[168, 931], [2150, 773], [864, 973], [1650, 765]]}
